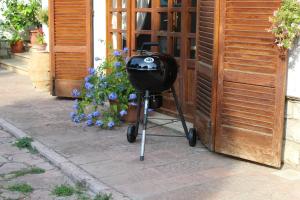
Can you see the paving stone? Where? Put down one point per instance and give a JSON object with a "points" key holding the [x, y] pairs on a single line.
{"points": [[12, 195], [9, 167], [288, 174]]}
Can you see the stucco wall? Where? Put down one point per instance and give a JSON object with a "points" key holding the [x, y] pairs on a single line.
{"points": [[99, 30], [292, 132]]}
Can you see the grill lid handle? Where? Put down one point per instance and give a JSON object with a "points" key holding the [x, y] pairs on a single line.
{"points": [[149, 44]]}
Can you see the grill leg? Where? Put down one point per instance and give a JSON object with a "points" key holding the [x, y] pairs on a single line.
{"points": [[147, 95], [139, 104], [178, 106]]}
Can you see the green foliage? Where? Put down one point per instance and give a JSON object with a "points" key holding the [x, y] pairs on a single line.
{"points": [[19, 16], [63, 191], [21, 187], [103, 197], [108, 83], [286, 23], [42, 16], [25, 143], [40, 38], [23, 172]]}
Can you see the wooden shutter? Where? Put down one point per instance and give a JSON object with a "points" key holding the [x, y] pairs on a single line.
{"points": [[206, 70], [71, 43], [251, 88]]}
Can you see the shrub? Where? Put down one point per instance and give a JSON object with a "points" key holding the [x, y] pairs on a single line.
{"points": [[108, 83], [286, 23]]}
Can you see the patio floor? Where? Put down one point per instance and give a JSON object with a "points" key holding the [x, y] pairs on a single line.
{"points": [[171, 170]]}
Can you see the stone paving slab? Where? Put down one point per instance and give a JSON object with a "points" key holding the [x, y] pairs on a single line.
{"points": [[14, 159], [171, 170]]}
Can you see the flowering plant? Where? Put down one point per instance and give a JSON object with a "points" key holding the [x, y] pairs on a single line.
{"points": [[107, 83], [286, 23]]}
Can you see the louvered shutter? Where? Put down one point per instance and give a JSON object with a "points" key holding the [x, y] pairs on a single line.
{"points": [[251, 88], [71, 42], [206, 71]]}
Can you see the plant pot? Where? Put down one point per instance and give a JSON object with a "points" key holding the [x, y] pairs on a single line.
{"points": [[33, 35], [17, 47], [39, 71], [131, 114]]}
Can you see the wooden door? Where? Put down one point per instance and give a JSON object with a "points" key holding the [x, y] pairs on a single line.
{"points": [[206, 70], [171, 23], [118, 24], [251, 84], [71, 44]]}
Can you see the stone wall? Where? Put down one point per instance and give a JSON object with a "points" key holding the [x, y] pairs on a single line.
{"points": [[292, 131]]}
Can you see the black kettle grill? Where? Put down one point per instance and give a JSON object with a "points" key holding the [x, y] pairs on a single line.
{"points": [[151, 74]]}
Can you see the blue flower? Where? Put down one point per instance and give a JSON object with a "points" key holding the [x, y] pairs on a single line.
{"points": [[82, 116], [72, 115], [112, 96], [88, 86], [111, 124], [75, 93], [96, 114], [123, 113], [76, 119], [88, 78], [117, 64], [117, 53], [89, 94], [89, 122], [90, 116], [126, 50], [99, 123], [92, 71], [76, 105], [118, 75], [132, 96]]}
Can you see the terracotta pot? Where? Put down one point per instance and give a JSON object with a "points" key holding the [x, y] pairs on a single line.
{"points": [[17, 47], [131, 114], [33, 34]]}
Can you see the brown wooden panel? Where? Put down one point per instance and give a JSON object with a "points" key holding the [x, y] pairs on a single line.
{"points": [[206, 70], [71, 43], [251, 84]]}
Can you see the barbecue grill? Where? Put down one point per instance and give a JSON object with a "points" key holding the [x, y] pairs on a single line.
{"points": [[151, 74]]}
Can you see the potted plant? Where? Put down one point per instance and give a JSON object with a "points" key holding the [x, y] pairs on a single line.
{"points": [[107, 85], [16, 43], [286, 25], [19, 17], [40, 44]]}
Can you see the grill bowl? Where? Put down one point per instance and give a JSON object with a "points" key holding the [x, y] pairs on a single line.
{"points": [[155, 72]]}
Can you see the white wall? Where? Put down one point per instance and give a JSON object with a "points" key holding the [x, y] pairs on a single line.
{"points": [[99, 30], [45, 27], [293, 87]]}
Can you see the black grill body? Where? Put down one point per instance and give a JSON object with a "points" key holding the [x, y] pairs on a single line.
{"points": [[153, 72]]}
